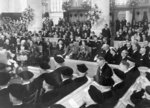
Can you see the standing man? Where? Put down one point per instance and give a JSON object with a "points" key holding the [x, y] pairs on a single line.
{"points": [[106, 33]]}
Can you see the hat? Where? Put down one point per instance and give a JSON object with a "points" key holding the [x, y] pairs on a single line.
{"points": [[107, 82], [44, 65], [137, 96], [48, 78], [82, 68], [147, 89], [17, 90], [59, 59], [66, 71], [120, 74], [26, 75], [4, 78], [95, 94]]}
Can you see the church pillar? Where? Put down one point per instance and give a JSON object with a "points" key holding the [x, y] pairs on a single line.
{"points": [[104, 7], [36, 5], [129, 16]]}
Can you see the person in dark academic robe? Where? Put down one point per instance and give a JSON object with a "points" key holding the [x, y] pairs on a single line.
{"points": [[82, 78], [131, 75], [66, 75], [101, 99], [26, 77], [17, 92], [67, 86], [141, 99], [56, 74], [118, 86], [4, 92]]}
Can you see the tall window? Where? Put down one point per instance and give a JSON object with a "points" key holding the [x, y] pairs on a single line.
{"points": [[55, 5], [121, 2]]}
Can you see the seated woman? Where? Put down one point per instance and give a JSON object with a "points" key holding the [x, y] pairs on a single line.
{"points": [[60, 47], [83, 51]]}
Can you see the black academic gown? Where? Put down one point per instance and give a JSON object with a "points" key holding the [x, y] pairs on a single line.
{"points": [[130, 79], [4, 98], [135, 55], [80, 81]]}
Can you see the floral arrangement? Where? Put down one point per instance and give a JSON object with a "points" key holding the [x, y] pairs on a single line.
{"points": [[66, 5], [94, 14], [28, 15]]}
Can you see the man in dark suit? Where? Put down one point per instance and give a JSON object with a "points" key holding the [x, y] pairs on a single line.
{"points": [[106, 33], [96, 47], [144, 60], [4, 93], [129, 48], [104, 72], [107, 54], [135, 51], [123, 56]]}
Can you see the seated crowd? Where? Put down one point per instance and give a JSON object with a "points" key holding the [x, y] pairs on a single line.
{"points": [[19, 88], [127, 31]]}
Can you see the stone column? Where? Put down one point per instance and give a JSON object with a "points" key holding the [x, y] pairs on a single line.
{"points": [[104, 6], [36, 5], [129, 16]]}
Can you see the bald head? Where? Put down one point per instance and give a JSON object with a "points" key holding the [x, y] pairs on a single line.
{"points": [[105, 47], [142, 51]]}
